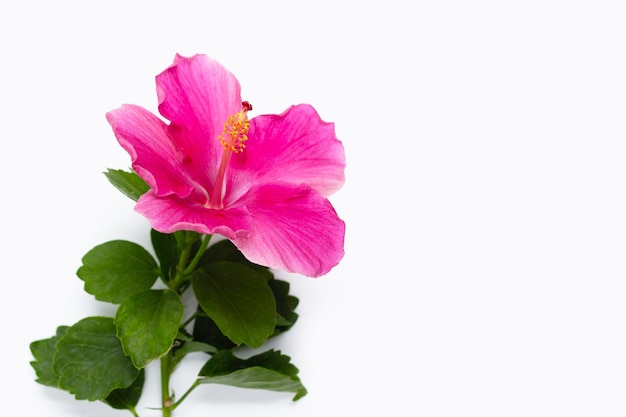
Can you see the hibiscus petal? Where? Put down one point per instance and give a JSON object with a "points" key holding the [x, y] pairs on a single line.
{"points": [[154, 157], [170, 214], [296, 147], [292, 228], [197, 95]]}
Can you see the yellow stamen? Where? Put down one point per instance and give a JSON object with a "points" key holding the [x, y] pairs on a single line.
{"points": [[235, 133]]}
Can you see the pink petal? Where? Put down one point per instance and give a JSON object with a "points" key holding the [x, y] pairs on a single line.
{"points": [[170, 214], [197, 95], [292, 228], [295, 147], [154, 157]]}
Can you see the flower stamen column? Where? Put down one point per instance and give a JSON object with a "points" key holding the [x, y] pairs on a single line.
{"points": [[233, 139]]}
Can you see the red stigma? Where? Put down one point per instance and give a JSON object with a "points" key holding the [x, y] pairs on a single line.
{"points": [[246, 106]]}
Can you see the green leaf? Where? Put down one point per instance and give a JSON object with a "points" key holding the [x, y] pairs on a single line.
{"points": [[147, 324], [225, 250], [269, 370], [205, 330], [117, 269], [90, 361], [238, 299], [129, 183], [127, 398], [43, 351], [285, 305], [167, 252]]}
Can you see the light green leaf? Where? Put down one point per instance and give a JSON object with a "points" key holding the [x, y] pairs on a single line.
{"points": [[269, 370], [129, 183], [238, 299], [118, 269], [147, 324], [90, 361]]}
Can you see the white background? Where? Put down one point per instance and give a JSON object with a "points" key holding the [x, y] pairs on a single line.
{"points": [[484, 272]]}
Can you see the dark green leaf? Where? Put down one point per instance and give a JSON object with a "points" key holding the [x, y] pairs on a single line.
{"points": [[205, 330], [225, 250], [117, 269], [166, 250], [238, 299], [147, 324], [285, 305], [43, 351], [127, 398], [129, 183], [269, 370], [90, 361]]}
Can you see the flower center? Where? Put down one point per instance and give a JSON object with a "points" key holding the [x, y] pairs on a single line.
{"points": [[233, 139]]}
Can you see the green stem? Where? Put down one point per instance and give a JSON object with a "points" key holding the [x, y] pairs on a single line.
{"points": [[194, 262], [184, 272], [178, 284], [180, 400], [189, 320], [166, 399]]}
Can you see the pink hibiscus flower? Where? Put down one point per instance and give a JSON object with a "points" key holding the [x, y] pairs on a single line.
{"points": [[260, 182]]}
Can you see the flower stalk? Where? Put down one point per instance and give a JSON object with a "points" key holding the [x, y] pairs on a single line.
{"points": [[166, 399]]}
